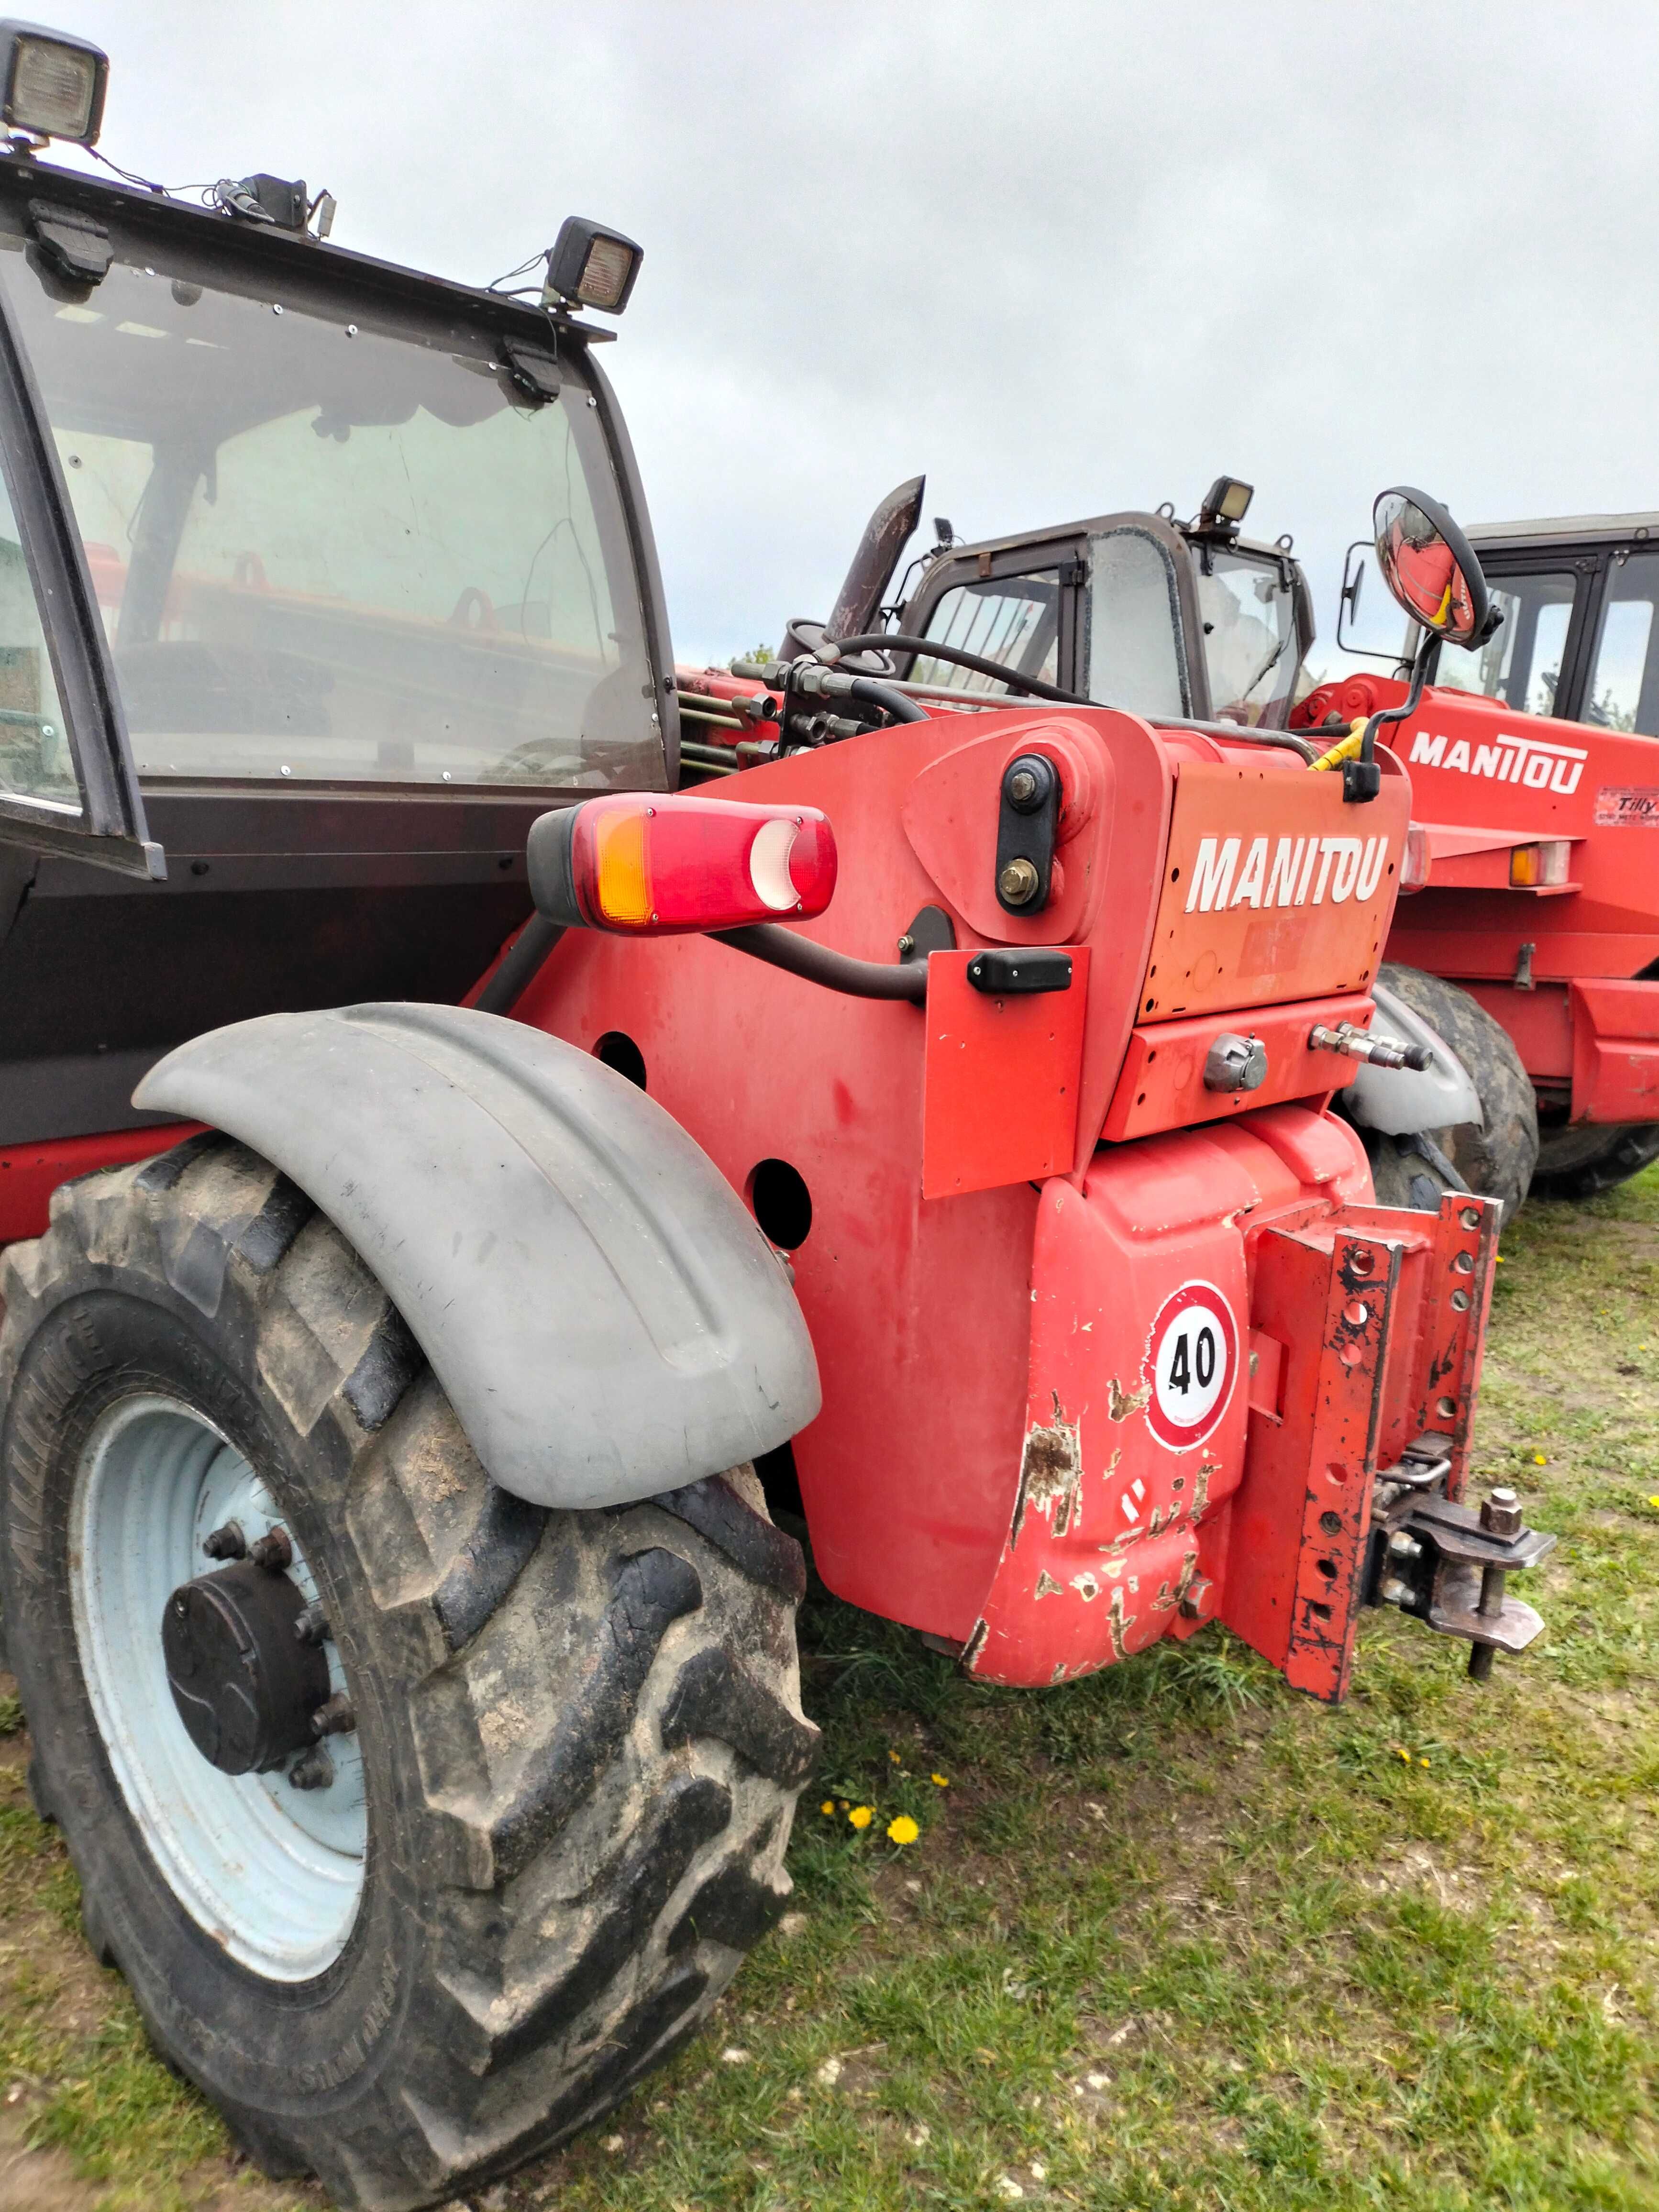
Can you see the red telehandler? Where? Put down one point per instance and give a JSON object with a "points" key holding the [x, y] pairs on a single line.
{"points": [[929, 1126], [1532, 956], [1535, 775]]}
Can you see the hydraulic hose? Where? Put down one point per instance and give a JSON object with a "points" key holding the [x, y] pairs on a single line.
{"points": [[836, 971], [890, 701], [521, 966], [896, 642]]}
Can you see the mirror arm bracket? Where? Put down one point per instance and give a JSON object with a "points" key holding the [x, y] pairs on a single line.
{"points": [[1361, 778]]}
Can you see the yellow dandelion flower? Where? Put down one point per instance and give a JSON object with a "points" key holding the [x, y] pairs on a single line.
{"points": [[902, 1831], [1422, 1762], [893, 1756], [861, 1815], [940, 1781], [828, 1805], [1538, 1460], [1652, 1501]]}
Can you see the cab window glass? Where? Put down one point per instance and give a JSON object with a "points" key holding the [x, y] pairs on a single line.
{"points": [[1249, 617], [36, 769], [1013, 620], [1521, 662], [327, 551], [1134, 649], [1624, 687]]}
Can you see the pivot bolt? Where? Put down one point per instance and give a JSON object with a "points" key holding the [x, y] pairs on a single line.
{"points": [[336, 1716], [1018, 883], [1402, 1547], [226, 1543], [311, 1625], [1022, 787], [1393, 1591], [273, 1552], [312, 1770], [1500, 1515]]}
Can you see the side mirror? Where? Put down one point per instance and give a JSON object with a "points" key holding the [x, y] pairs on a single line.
{"points": [[1347, 603], [1429, 567]]}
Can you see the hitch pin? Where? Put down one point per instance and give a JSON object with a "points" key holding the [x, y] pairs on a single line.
{"points": [[1500, 1515], [1358, 1044]]}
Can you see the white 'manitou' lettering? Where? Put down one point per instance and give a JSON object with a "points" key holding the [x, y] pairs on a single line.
{"points": [[1348, 867], [1255, 872], [1533, 763], [1281, 884], [1348, 850], [1213, 875]]}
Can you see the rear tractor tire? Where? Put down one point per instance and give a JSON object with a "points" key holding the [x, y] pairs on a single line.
{"points": [[1579, 1162], [548, 1814], [1494, 1159]]}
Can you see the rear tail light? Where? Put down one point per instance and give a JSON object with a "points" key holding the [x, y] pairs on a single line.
{"points": [[1541, 867], [1415, 862], [654, 867]]}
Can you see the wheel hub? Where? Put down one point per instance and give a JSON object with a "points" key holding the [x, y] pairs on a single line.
{"points": [[245, 1683]]}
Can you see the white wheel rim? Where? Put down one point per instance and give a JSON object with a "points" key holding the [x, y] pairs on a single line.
{"points": [[272, 1873]]}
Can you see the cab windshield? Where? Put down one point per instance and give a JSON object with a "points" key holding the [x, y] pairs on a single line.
{"points": [[327, 550], [1248, 615]]}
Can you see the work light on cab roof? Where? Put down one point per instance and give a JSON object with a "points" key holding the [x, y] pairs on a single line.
{"points": [[660, 866], [591, 265], [53, 84]]}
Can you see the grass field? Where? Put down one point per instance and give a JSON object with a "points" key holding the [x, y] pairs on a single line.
{"points": [[1171, 1937]]}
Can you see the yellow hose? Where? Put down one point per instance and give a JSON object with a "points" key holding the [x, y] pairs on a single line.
{"points": [[1344, 748]]}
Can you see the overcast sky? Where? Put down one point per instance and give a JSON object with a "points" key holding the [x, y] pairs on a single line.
{"points": [[1064, 259]]}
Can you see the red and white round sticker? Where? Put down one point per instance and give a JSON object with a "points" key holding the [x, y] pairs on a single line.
{"points": [[1191, 1364]]}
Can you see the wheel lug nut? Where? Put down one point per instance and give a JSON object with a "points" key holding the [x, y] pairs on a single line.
{"points": [[312, 1770], [311, 1625], [226, 1543], [272, 1550], [336, 1716]]}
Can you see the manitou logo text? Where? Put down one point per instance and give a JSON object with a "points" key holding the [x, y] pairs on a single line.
{"points": [[1506, 760], [1302, 872]]}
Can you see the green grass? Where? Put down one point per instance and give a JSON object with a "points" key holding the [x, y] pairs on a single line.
{"points": [[1171, 1937]]}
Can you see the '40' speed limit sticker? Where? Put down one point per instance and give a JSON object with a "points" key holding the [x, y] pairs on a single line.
{"points": [[1191, 1364]]}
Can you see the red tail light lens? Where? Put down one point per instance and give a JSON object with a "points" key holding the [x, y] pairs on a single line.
{"points": [[654, 867]]}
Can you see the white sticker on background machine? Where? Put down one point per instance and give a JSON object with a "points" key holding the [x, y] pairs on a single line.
{"points": [[1191, 1364]]}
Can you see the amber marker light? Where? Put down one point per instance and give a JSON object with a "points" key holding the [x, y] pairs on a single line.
{"points": [[662, 865], [1539, 867]]}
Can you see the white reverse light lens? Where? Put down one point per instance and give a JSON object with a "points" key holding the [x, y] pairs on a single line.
{"points": [[53, 89], [769, 866], [605, 273]]}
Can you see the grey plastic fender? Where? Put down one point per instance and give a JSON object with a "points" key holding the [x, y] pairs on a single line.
{"points": [[1399, 1101], [605, 1316]]}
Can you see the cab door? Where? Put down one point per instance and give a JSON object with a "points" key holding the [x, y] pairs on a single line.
{"points": [[67, 784]]}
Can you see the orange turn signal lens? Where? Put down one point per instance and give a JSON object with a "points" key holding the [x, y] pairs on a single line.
{"points": [[656, 865]]}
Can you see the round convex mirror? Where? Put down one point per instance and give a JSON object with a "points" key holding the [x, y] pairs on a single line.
{"points": [[1429, 567]]}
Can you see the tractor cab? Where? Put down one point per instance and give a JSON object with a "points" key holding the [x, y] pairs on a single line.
{"points": [[320, 580], [1170, 619], [1579, 640]]}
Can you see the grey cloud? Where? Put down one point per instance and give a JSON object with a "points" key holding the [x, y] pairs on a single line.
{"points": [[1065, 258]]}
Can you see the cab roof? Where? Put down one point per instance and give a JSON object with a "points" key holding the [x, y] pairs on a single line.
{"points": [[1578, 528]]}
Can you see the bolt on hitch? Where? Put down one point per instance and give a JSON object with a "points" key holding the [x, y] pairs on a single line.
{"points": [[1448, 1564]]}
